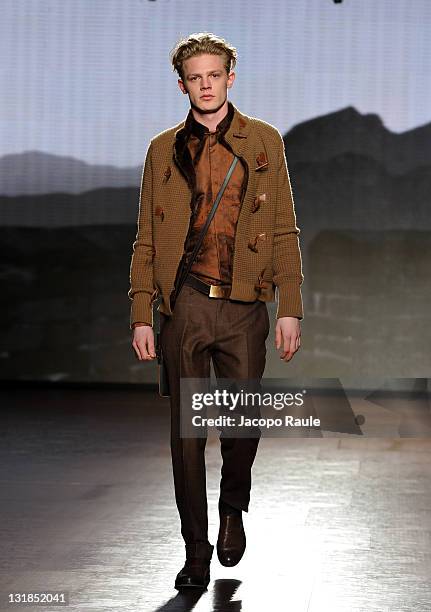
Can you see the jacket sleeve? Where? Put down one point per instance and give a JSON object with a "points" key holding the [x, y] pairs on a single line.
{"points": [[287, 262], [141, 290]]}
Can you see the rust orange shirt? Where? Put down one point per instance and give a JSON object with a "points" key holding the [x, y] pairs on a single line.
{"points": [[211, 157]]}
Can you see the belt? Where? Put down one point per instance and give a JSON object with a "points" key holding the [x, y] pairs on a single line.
{"points": [[213, 291]]}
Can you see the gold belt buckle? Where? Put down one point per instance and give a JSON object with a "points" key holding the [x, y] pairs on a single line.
{"points": [[219, 291]]}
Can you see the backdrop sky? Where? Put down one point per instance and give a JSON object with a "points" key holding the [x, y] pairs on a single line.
{"points": [[92, 80]]}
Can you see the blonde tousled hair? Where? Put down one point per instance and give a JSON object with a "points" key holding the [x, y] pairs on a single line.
{"points": [[198, 44]]}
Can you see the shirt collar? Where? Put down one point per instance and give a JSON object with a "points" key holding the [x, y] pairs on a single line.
{"points": [[198, 129]]}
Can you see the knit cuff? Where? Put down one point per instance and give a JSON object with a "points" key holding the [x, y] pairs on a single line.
{"points": [[141, 309], [289, 301]]}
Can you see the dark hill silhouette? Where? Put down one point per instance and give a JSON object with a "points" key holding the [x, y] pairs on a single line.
{"points": [[35, 173], [105, 206], [349, 131]]}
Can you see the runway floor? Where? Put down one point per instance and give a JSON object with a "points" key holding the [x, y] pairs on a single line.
{"points": [[87, 507]]}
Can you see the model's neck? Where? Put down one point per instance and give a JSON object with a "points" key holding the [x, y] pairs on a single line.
{"points": [[211, 120]]}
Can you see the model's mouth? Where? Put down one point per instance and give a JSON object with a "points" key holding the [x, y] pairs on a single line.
{"points": [[206, 97]]}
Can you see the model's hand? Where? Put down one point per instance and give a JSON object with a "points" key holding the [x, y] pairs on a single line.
{"points": [[287, 336], [143, 342]]}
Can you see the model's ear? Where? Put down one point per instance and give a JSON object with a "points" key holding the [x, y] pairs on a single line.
{"points": [[230, 79]]}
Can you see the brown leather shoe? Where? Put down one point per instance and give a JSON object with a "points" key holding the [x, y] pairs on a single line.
{"points": [[231, 540], [196, 570]]}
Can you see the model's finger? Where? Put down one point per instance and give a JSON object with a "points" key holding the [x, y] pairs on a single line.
{"points": [[137, 351], [287, 344], [277, 337]]}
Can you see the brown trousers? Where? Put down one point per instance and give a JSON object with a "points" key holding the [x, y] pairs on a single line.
{"points": [[233, 335]]}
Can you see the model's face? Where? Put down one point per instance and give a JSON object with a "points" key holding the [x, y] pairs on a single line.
{"points": [[206, 75]]}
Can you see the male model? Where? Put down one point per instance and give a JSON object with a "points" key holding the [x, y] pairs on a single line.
{"points": [[250, 249]]}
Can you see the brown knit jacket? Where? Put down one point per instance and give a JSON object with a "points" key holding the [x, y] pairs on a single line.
{"points": [[267, 260]]}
